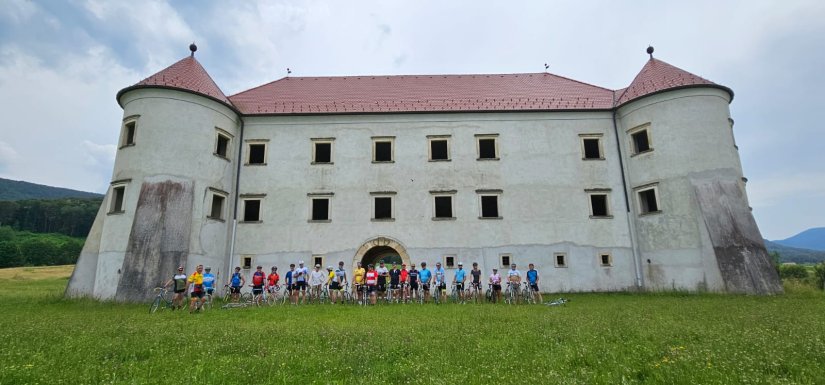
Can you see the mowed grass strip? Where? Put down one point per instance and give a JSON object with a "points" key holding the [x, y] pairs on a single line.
{"points": [[595, 339]]}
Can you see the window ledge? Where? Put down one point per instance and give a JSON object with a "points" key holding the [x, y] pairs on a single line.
{"points": [[561, 266], [441, 160], [649, 150], [443, 218], [650, 213], [126, 145], [490, 217], [483, 159], [601, 217], [382, 219], [221, 156], [605, 265], [215, 219], [251, 222], [593, 158], [254, 164], [319, 221], [321, 163], [116, 212], [383, 161]]}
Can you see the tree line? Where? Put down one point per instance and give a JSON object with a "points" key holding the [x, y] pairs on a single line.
{"points": [[68, 216], [24, 248]]}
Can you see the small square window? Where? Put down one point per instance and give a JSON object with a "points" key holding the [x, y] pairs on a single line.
{"points": [[251, 210], [605, 259], [320, 209], [592, 147], [318, 260], [487, 148], [449, 261], [382, 149], [257, 153], [489, 206], [640, 140], [246, 262], [383, 208], [443, 206], [648, 201], [116, 200], [322, 152], [560, 259], [599, 206], [216, 211], [439, 149], [129, 130], [506, 260], [222, 146]]}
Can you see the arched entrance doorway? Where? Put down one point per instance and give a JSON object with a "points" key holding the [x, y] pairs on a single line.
{"points": [[381, 248]]}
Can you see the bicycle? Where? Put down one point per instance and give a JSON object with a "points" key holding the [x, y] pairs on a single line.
{"points": [[272, 294], [346, 296], [161, 301], [512, 294], [206, 302], [527, 294], [473, 291], [453, 293], [490, 295], [558, 302]]}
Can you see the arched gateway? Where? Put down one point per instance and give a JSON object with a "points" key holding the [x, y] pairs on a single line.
{"points": [[379, 248]]}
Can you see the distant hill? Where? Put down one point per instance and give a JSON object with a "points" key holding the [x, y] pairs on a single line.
{"points": [[793, 254], [13, 190], [813, 239]]}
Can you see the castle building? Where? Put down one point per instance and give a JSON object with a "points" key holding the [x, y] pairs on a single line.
{"points": [[603, 190]]}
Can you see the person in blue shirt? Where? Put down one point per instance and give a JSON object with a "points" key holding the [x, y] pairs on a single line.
{"points": [[290, 285], [424, 277], [440, 281], [208, 281], [533, 281], [236, 282], [458, 280]]}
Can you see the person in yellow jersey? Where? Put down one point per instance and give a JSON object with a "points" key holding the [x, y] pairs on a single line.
{"points": [[196, 279], [358, 282]]}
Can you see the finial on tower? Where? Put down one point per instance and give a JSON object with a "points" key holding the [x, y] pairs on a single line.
{"points": [[650, 51], [193, 48], [288, 71], [546, 66]]}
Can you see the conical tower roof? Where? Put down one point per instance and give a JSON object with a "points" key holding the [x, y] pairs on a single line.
{"points": [[657, 76], [185, 75]]}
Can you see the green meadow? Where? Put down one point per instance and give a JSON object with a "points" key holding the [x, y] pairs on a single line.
{"points": [[671, 338]]}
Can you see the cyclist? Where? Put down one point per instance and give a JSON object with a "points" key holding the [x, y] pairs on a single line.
{"points": [[339, 282], [476, 274], [357, 285], [196, 279], [258, 282], [383, 273], [395, 281], [514, 280], [458, 281], [405, 286], [533, 281], [272, 280], [179, 288], [290, 283], [495, 282], [236, 281], [412, 282], [317, 279], [371, 279], [440, 281], [424, 277], [300, 277], [208, 281]]}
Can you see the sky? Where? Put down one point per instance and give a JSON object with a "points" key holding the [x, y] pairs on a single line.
{"points": [[62, 62]]}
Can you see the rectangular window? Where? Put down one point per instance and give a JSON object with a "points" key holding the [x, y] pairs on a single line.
{"points": [[251, 210], [256, 154], [605, 259], [560, 259], [318, 260], [449, 261], [382, 149], [246, 262], [640, 139], [592, 146], [116, 200], [222, 144], [489, 206], [648, 200], [383, 208], [439, 147], [506, 260], [322, 150], [128, 132], [487, 147], [443, 206], [216, 210], [320, 209], [599, 202]]}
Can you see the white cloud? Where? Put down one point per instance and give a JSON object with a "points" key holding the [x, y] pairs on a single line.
{"points": [[100, 154], [7, 155], [770, 191]]}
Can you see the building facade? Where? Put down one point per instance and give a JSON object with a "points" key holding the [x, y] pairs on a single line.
{"points": [[603, 190]]}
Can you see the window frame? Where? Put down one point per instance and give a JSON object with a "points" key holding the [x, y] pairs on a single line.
{"points": [[446, 257], [601, 256], [509, 257], [601, 192], [433, 138], [213, 192], [645, 188], [256, 142], [247, 261], [482, 193], [385, 195], [494, 138], [564, 263], [600, 143], [315, 143], [219, 133], [443, 194], [631, 133], [320, 196], [383, 139], [252, 197], [315, 262], [117, 189], [129, 123]]}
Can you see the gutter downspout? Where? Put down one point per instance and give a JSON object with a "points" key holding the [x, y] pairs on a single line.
{"points": [[237, 198], [630, 224]]}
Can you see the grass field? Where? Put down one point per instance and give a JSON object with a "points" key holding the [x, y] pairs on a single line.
{"points": [[595, 339]]}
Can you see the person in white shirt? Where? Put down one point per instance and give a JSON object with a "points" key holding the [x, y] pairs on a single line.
{"points": [[300, 276], [495, 282], [383, 274], [514, 279], [339, 282], [317, 279]]}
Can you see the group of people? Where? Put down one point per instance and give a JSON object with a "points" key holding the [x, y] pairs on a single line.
{"points": [[301, 283]]}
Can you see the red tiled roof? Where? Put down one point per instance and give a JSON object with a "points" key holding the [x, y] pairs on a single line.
{"points": [[187, 74], [421, 93], [657, 76]]}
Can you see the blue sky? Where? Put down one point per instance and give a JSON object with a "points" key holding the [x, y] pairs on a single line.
{"points": [[61, 64]]}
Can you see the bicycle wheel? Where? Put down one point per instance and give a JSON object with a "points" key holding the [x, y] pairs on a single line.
{"points": [[246, 297], [155, 305], [227, 294], [489, 295]]}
